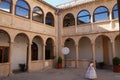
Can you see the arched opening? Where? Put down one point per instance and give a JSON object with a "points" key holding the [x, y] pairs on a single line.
{"points": [[4, 47], [49, 20], [83, 17], [103, 49], [84, 52], [49, 49], [38, 14], [71, 57], [115, 12], [37, 48], [68, 20], [20, 52], [6, 5], [22, 9], [117, 46], [101, 13], [85, 49], [34, 52]]}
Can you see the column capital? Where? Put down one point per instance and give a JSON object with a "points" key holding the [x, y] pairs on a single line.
{"points": [[112, 41], [93, 43], [11, 42]]}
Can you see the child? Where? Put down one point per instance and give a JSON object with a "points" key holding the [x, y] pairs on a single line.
{"points": [[91, 73]]}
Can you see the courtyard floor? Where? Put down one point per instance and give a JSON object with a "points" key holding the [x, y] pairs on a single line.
{"points": [[62, 74]]}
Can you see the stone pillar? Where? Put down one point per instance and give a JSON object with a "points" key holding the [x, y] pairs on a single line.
{"points": [[29, 57], [93, 55], [43, 55], [76, 65], [54, 56], [10, 58], [113, 49]]}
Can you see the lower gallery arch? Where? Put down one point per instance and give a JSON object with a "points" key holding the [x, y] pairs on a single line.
{"points": [[20, 52], [49, 53], [85, 52], [117, 46], [71, 57], [103, 49], [37, 49], [4, 53], [37, 53]]}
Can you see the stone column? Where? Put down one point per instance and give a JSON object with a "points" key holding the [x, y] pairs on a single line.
{"points": [[10, 58], [76, 65], [113, 49], [29, 57], [43, 55], [54, 56], [93, 55]]}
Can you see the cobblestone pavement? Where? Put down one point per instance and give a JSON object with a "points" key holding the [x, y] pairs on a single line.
{"points": [[62, 74]]}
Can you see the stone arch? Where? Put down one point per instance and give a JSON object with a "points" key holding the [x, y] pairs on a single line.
{"points": [[103, 49], [37, 53], [4, 46], [85, 48], [117, 46], [68, 20], [70, 43], [20, 52], [49, 49], [49, 19]]}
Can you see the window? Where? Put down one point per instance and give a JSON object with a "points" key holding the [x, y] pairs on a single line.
{"points": [[38, 14], [34, 55], [115, 11], [68, 20], [101, 13], [22, 9], [83, 17], [4, 54], [6, 5], [49, 19]]}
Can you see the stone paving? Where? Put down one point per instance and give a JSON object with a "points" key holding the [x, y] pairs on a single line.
{"points": [[62, 74]]}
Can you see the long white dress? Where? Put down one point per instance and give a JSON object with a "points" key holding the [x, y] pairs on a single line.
{"points": [[91, 73]]}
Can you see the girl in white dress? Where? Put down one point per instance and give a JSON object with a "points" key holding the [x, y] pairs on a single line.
{"points": [[91, 73]]}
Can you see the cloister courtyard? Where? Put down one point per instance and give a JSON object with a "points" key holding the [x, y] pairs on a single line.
{"points": [[63, 74]]}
